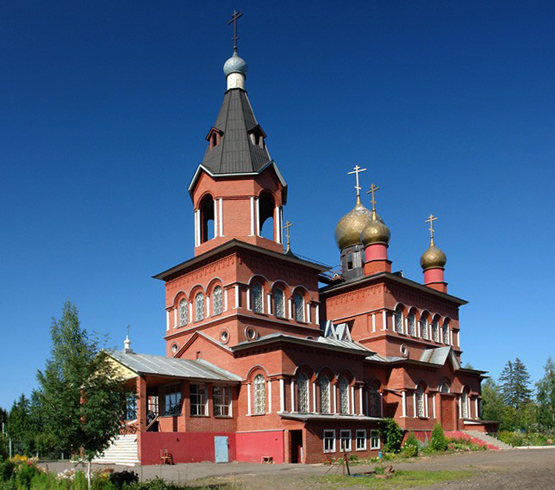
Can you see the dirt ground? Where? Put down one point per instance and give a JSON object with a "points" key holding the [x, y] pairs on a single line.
{"points": [[520, 469]]}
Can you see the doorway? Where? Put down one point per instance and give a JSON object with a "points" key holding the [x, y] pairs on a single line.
{"points": [[296, 437], [448, 412]]}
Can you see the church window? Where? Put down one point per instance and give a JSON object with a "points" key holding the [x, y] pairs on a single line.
{"points": [[257, 298], [420, 409], [302, 392], [207, 230], [172, 399], [374, 439], [464, 405], [329, 441], [399, 321], [198, 399], [183, 313], [361, 439], [345, 436], [279, 303], [446, 339], [444, 388], [222, 401], [199, 307], [412, 324], [424, 328], [259, 394], [374, 401], [299, 307], [267, 210], [324, 394], [217, 304], [343, 395], [435, 331], [130, 406]]}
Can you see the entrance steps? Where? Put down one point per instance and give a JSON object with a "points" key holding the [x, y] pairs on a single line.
{"points": [[122, 450], [489, 441]]}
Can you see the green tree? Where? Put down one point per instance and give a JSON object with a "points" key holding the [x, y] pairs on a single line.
{"points": [[20, 425], [392, 435], [81, 397], [493, 406], [515, 388], [545, 397]]}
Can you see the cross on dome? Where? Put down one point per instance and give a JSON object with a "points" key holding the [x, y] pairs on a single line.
{"points": [[236, 15], [356, 170], [286, 227], [372, 191], [431, 220]]}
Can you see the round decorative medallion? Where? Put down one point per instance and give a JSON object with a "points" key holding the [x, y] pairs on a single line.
{"points": [[174, 348], [404, 350], [224, 336], [251, 333]]}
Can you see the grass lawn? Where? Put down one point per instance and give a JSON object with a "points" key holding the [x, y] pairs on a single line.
{"points": [[401, 479]]}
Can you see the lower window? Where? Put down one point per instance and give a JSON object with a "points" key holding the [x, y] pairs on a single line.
{"points": [[198, 399], [329, 441], [345, 437], [361, 439], [374, 439]]}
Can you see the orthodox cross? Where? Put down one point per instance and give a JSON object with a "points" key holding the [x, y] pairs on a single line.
{"points": [[372, 191], [286, 226], [128, 328], [356, 171], [431, 220], [234, 18]]}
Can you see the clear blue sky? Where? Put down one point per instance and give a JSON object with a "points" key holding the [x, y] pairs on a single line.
{"points": [[104, 110]]}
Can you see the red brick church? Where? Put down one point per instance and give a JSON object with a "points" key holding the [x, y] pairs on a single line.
{"points": [[271, 357]]}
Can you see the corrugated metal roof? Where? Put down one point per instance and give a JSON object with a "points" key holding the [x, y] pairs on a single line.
{"points": [[332, 417], [439, 356], [168, 366], [236, 153]]}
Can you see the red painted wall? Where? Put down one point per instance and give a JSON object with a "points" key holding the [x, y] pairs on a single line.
{"points": [[252, 445], [185, 447]]}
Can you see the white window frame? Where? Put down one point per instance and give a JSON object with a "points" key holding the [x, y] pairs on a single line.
{"points": [[221, 402], [349, 446], [375, 442], [202, 405], [360, 435], [329, 435]]}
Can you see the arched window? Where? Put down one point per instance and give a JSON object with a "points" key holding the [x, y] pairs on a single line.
{"points": [[206, 219], [183, 312], [259, 394], [343, 395], [279, 303], [420, 409], [299, 307], [446, 339], [217, 303], [374, 401], [302, 392], [257, 298], [199, 307], [424, 327], [399, 320], [444, 387], [464, 405], [412, 324], [324, 394], [267, 209], [435, 330]]}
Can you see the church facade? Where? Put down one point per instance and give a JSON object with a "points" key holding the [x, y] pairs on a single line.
{"points": [[272, 358]]}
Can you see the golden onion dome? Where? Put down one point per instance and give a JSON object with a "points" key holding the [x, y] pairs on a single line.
{"points": [[349, 228], [375, 232], [433, 258]]}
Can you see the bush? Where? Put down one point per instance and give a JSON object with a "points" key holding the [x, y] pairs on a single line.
{"points": [[438, 441], [25, 473], [7, 469], [120, 477], [410, 446], [392, 435]]}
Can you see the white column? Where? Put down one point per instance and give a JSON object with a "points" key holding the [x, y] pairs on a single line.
{"points": [[269, 396], [167, 320], [207, 306], [249, 399], [361, 407], [352, 401], [277, 225], [293, 396], [317, 314], [281, 224], [225, 299], [384, 320], [237, 297], [216, 219], [269, 310], [426, 404], [373, 322], [404, 404], [415, 411], [290, 309], [308, 313], [476, 411], [460, 407], [314, 397], [381, 404], [252, 216], [248, 298], [257, 216], [434, 398], [197, 227], [281, 395], [191, 304], [334, 398], [221, 215], [175, 323]]}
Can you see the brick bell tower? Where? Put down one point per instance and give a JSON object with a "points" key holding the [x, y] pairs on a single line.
{"points": [[237, 187]]}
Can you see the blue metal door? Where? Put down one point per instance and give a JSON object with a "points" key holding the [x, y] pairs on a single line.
{"points": [[221, 449]]}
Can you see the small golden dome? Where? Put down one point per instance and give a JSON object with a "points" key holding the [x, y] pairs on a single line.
{"points": [[375, 232], [433, 258], [349, 228]]}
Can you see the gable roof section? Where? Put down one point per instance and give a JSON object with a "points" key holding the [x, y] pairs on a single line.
{"points": [[439, 356], [148, 364]]}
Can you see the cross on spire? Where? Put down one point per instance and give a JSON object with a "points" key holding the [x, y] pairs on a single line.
{"points": [[431, 220], [236, 15], [356, 171], [286, 227], [372, 191]]}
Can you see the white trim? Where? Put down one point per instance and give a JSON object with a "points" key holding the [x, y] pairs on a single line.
{"points": [[191, 307], [175, 323], [373, 322], [377, 438], [361, 408], [167, 320], [381, 404], [257, 216], [426, 404], [313, 397], [281, 395], [225, 299], [269, 396], [357, 431], [334, 398], [317, 314], [252, 216], [249, 399], [269, 311], [414, 405], [476, 411], [460, 406], [221, 220], [332, 438], [307, 312], [248, 298], [293, 395], [197, 227], [352, 401], [290, 309], [434, 398], [384, 320], [237, 296], [216, 218], [349, 439], [207, 306], [404, 404], [277, 225]]}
